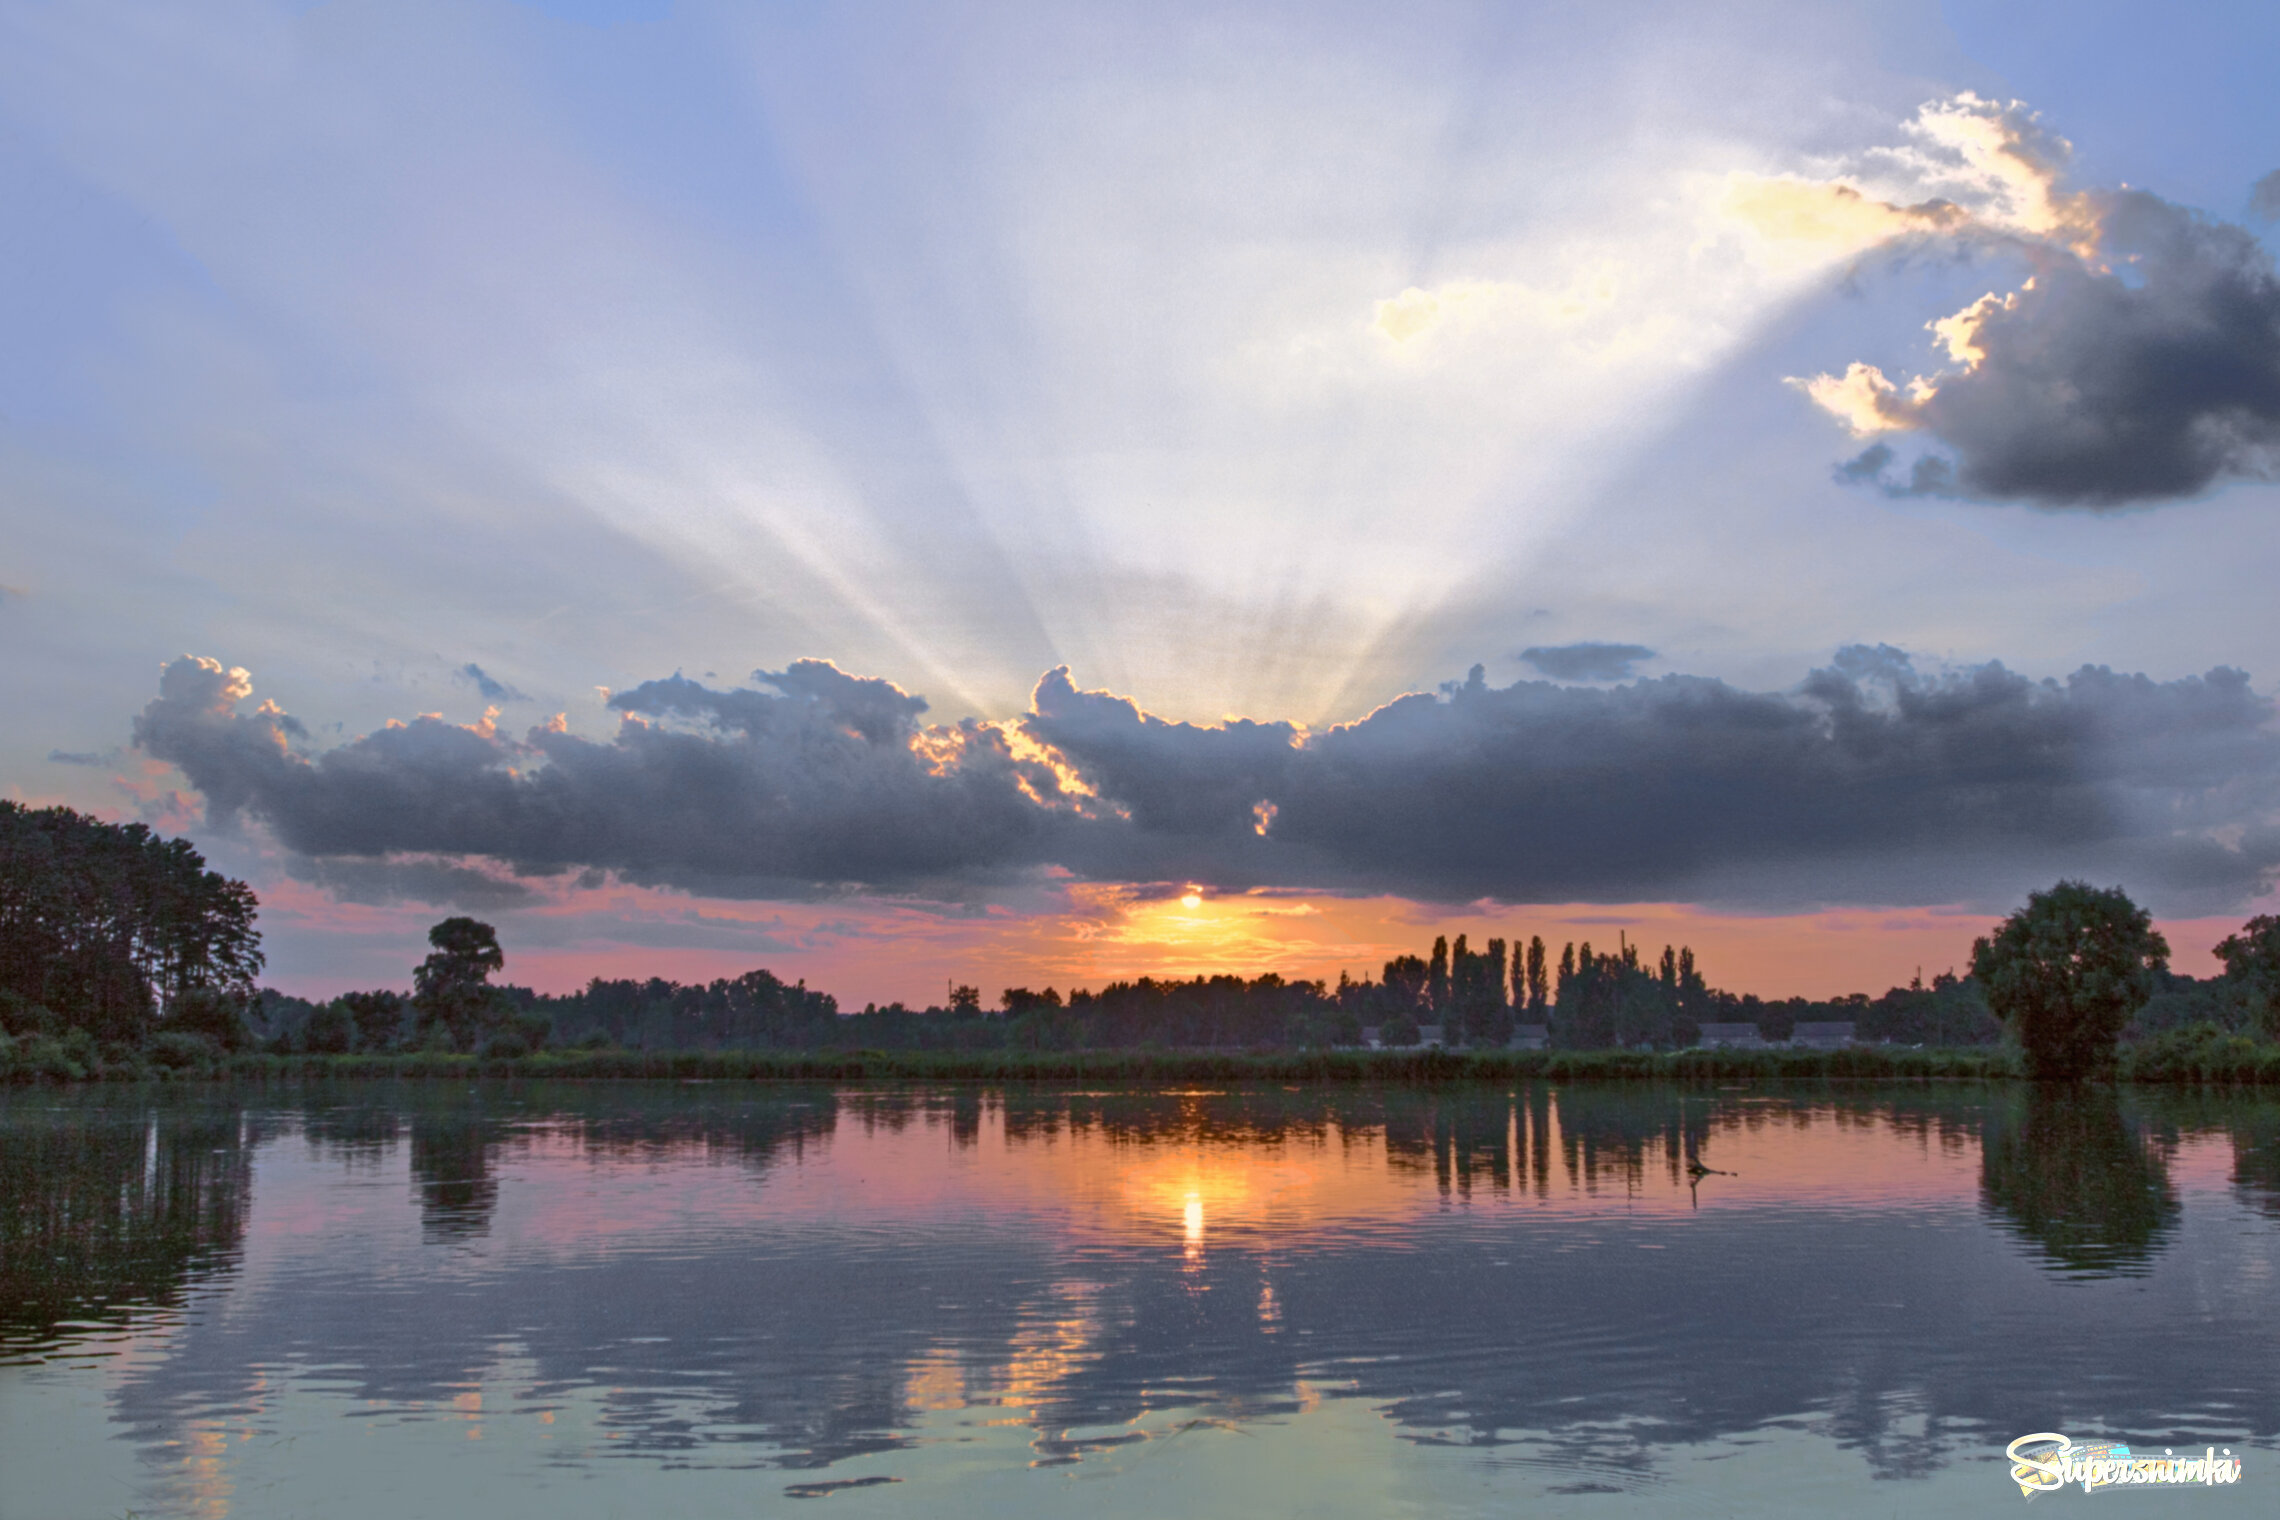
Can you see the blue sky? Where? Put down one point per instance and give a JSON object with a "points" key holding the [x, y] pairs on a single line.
{"points": [[1250, 361]]}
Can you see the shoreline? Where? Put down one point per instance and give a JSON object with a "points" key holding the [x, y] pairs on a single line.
{"points": [[2157, 1062]]}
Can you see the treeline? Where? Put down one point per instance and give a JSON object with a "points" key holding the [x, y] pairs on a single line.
{"points": [[1585, 1000], [120, 950]]}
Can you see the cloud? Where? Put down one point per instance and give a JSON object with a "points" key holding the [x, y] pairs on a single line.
{"points": [[489, 689], [422, 879], [1965, 167], [1171, 778], [2264, 199], [1872, 782], [1826, 214], [1587, 661], [1417, 314], [83, 757], [1928, 475], [2139, 362], [738, 792]]}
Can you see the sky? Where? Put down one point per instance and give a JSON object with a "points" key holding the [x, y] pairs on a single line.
{"points": [[1025, 494]]}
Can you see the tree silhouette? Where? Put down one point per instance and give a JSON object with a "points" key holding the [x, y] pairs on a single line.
{"points": [[1405, 981], [452, 987], [1539, 981]]}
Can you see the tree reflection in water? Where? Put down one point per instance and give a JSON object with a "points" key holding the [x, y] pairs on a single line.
{"points": [[458, 1140], [2256, 1155], [796, 1275], [452, 1155], [107, 1210], [2064, 1169]]}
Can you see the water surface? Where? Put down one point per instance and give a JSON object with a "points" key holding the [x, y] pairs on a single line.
{"points": [[701, 1299]]}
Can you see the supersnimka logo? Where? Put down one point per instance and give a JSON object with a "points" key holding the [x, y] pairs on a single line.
{"points": [[2047, 1461]]}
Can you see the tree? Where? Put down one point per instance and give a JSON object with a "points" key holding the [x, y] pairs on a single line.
{"points": [[2252, 965], [378, 1017], [2065, 973], [1475, 1012], [1437, 977], [452, 987], [330, 1030], [1693, 1002], [212, 1014], [1493, 1021], [1539, 981], [1404, 982], [965, 1002]]}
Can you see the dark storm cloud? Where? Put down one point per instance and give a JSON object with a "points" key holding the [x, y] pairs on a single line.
{"points": [[1173, 778], [2149, 371], [489, 689], [1587, 661], [742, 791], [2154, 380], [1870, 782]]}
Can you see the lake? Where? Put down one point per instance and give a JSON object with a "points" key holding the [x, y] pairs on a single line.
{"points": [[723, 1299]]}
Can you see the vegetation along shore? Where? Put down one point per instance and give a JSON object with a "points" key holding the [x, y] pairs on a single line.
{"points": [[123, 958]]}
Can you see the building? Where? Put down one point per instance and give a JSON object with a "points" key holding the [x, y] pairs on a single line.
{"points": [[1530, 1037], [1828, 1034], [1731, 1037]]}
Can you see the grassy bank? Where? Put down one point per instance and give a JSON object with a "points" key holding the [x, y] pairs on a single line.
{"points": [[2183, 1056]]}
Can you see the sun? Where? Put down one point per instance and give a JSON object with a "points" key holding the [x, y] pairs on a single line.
{"points": [[1192, 900]]}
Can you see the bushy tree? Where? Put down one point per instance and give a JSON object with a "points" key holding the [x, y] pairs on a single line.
{"points": [[2252, 965], [2065, 973]]}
